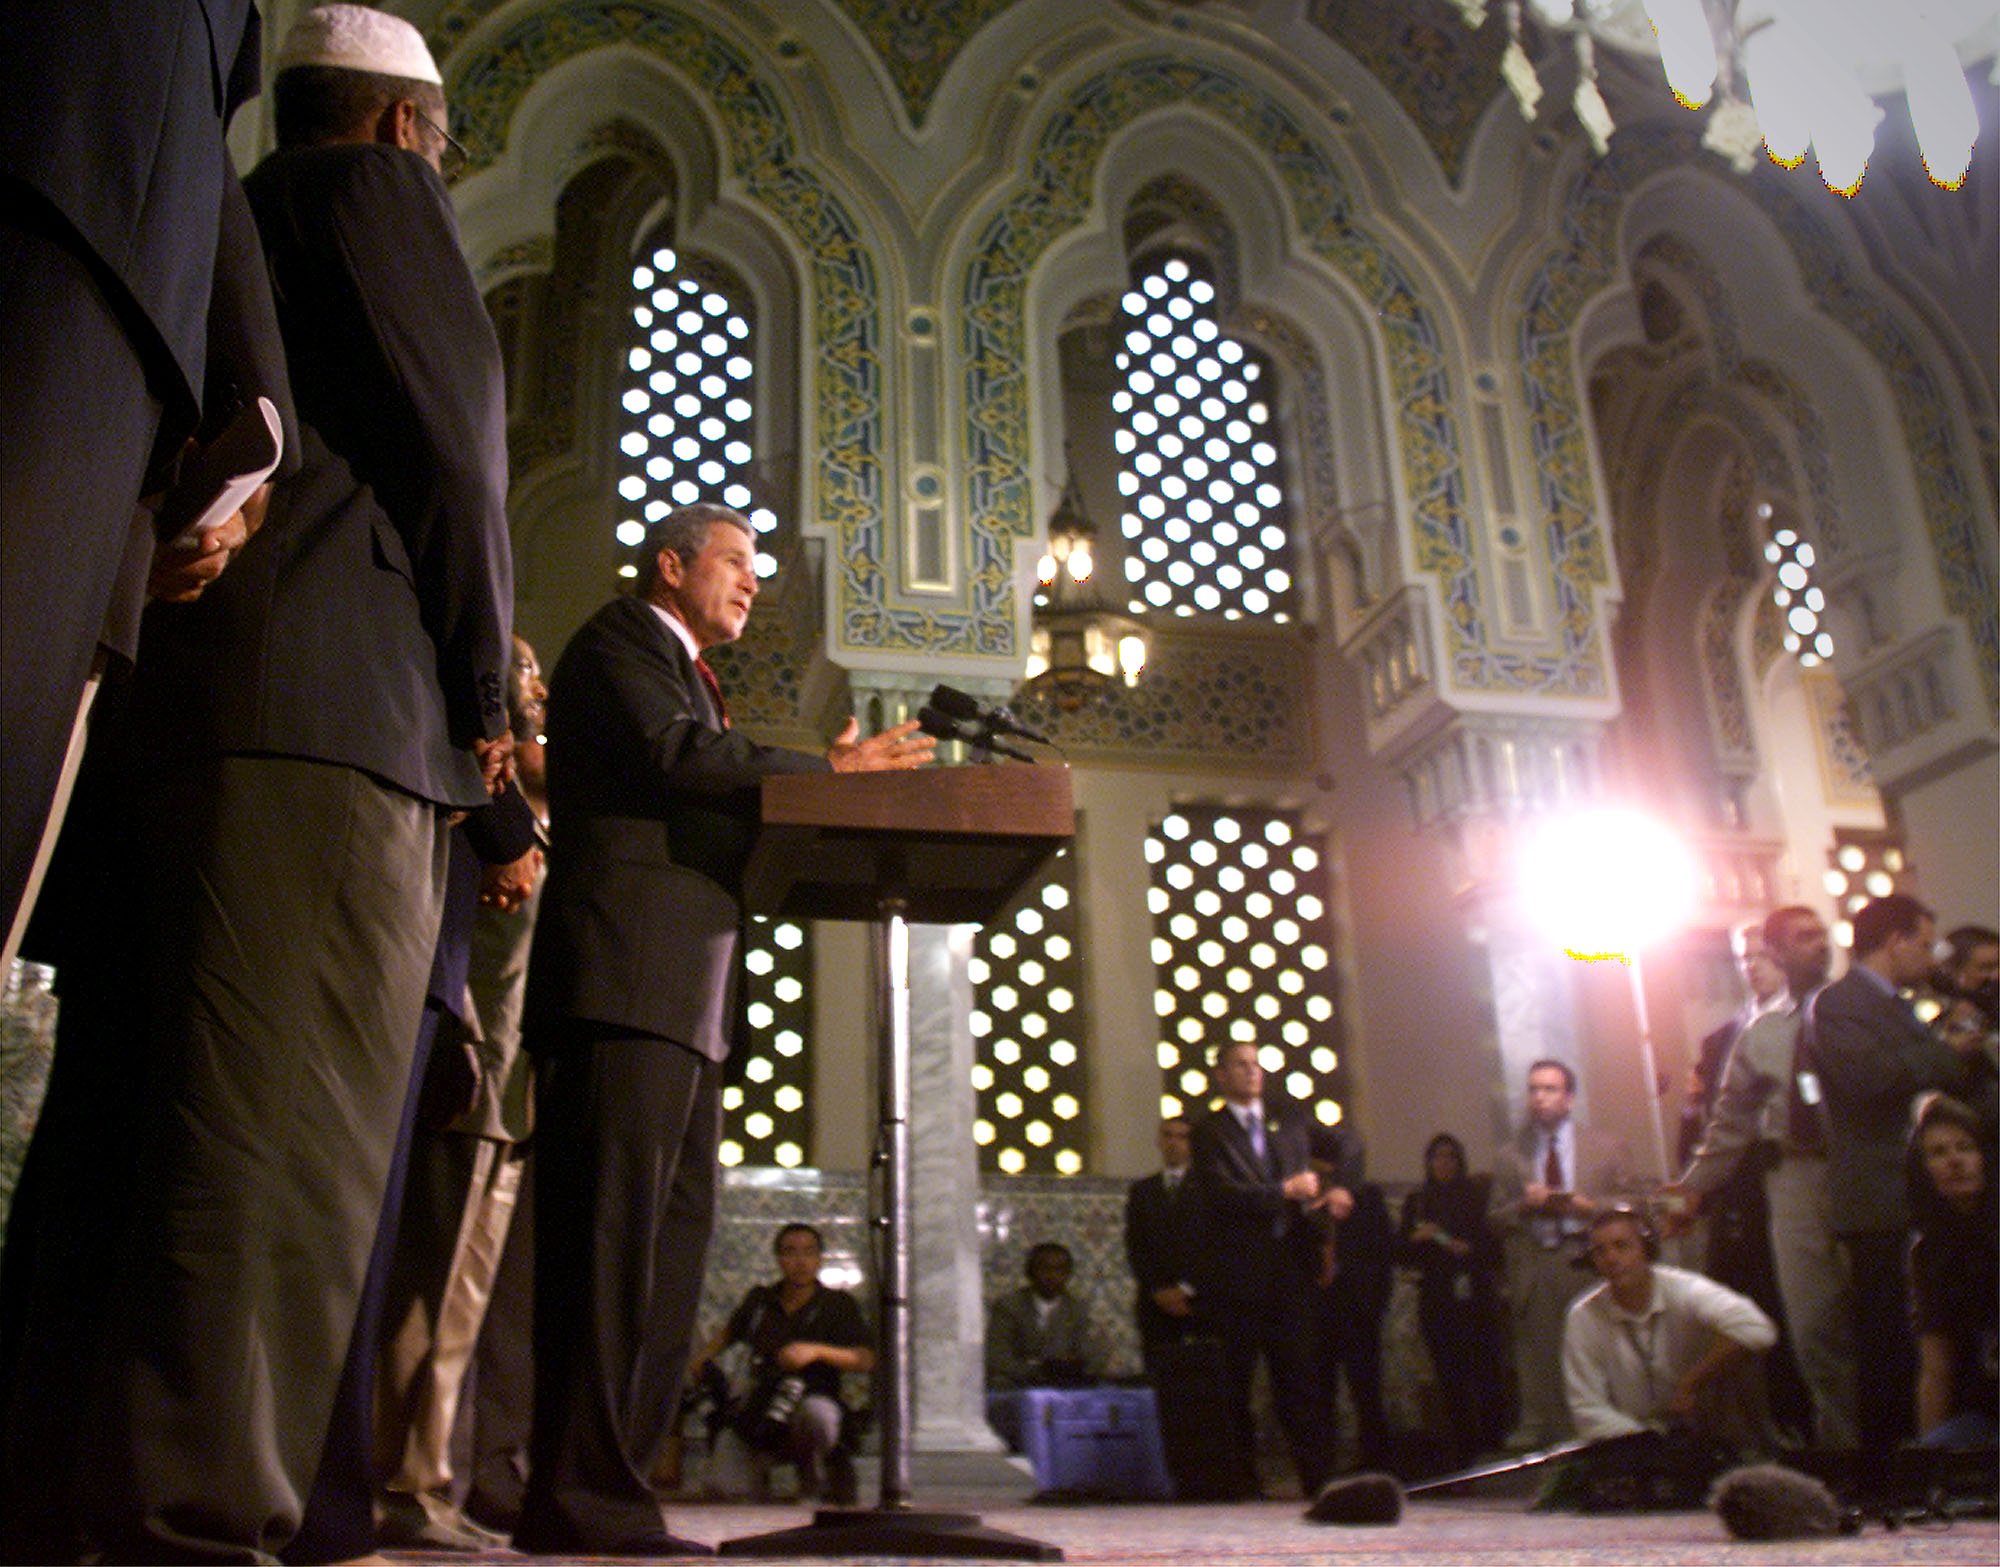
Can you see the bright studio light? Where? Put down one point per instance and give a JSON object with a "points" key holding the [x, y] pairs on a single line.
{"points": [[1606, 880]]}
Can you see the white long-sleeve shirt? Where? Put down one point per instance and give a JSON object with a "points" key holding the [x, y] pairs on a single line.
{"points": [[1621, 1367]]}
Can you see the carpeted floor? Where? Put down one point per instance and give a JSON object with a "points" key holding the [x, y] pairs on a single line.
{"points": [[1446, 1533]]}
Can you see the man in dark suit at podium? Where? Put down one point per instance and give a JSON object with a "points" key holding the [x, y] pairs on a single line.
{"points": [[653, 802], [1258, 1271]]}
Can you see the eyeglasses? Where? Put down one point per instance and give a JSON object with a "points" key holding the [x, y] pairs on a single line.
{"points": [[453, 158]]}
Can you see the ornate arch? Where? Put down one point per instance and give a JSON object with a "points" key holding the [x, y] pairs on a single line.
{"points": [[492, 69], [1056, 196], [1580, 267]]}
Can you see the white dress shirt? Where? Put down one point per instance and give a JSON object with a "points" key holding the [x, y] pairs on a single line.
{"points": [[1620, 1368]]}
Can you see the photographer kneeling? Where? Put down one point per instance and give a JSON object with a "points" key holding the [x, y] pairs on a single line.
{"points": [[781, 1356], [1662, 1371]]}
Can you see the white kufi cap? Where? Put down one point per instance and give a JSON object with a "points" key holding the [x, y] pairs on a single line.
{"points": [[359, 38]]}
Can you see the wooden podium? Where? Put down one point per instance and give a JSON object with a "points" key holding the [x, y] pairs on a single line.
{"points": [[942, 845]]}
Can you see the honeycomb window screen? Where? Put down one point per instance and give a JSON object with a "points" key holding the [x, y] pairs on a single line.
{"points": [[1203, 509], [687, 403], [767, 1108], [1861, 867], [1027, 1032], [1800, 600], [1242, 949]]}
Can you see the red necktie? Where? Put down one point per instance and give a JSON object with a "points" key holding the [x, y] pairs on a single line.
{"points": [[1552, 1169], [714, 689]]}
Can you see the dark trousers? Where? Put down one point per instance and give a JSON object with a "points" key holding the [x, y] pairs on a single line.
{"points": [[281, 920], [1282, 1327], [626, 1131], [77, 424], [1469, 1355], [1884, 1393], [1354, 1349]]}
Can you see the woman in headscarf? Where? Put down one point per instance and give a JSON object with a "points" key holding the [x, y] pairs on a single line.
{"points": [[1445, 1237]]}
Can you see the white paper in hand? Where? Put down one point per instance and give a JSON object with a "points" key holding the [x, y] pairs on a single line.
{"points": [[223, 475]]}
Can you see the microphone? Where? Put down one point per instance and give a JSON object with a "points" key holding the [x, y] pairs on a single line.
{"points": [[995, 719], [940, 726], [1770, 1502]]}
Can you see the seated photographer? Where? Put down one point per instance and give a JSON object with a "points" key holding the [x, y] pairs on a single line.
{"points": [[780, 1357], [1662, 1351], [1040, 1335]]}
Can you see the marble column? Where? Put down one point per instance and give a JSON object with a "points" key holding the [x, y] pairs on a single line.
{"points": [[1534, 1013], [948, 1313]]}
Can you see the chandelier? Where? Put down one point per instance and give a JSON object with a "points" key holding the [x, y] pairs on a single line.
{"points": [[1080, 650], [1793, 75]]}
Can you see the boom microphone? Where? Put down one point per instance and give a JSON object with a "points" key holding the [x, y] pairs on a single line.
{"points": [[996, 719]]}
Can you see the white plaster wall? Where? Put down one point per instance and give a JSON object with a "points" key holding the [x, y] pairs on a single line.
{"points": [[1952, 828]]}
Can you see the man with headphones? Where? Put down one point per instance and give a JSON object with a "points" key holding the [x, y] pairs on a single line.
{"points": [[1657, 1348]]}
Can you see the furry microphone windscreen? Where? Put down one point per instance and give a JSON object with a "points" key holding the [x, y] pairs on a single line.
{"points": [[1359, 1499], [1771, 1502]]}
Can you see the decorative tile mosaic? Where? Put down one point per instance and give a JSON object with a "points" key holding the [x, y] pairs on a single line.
{"points": [[1722, 677], [918, 39], [1843, 758], [1767, 636], [1056, 196], [1442, 73], [764, 671], [487, 78], [1206, 697]]}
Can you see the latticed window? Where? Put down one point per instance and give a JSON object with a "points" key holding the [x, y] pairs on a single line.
{"points": [[687, 401], [1797, 596], [767, 1111], [1027, 1030], [1241, 950], [1861, 867], [1204, 519]]}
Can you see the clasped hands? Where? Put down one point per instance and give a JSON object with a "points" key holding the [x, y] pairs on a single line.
{"points": [[1318, 1195]]}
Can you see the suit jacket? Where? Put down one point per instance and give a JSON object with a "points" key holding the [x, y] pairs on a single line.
{"points": [[652, 812], [1258, 1238], [1602, 1172], [1162, 1235], [1873, 1059], [367, 623], [1018, 1341], [115, 116]]}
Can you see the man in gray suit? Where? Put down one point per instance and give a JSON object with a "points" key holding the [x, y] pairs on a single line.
{"points": [[1873, 1058], [1755, 1125], [653, 805], [1546, 1184]]}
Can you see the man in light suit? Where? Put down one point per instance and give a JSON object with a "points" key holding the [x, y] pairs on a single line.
{"points": [[1873, 1058], [1272, 1180], [1546, 1184], [653, 803], [1759, 1125]]}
